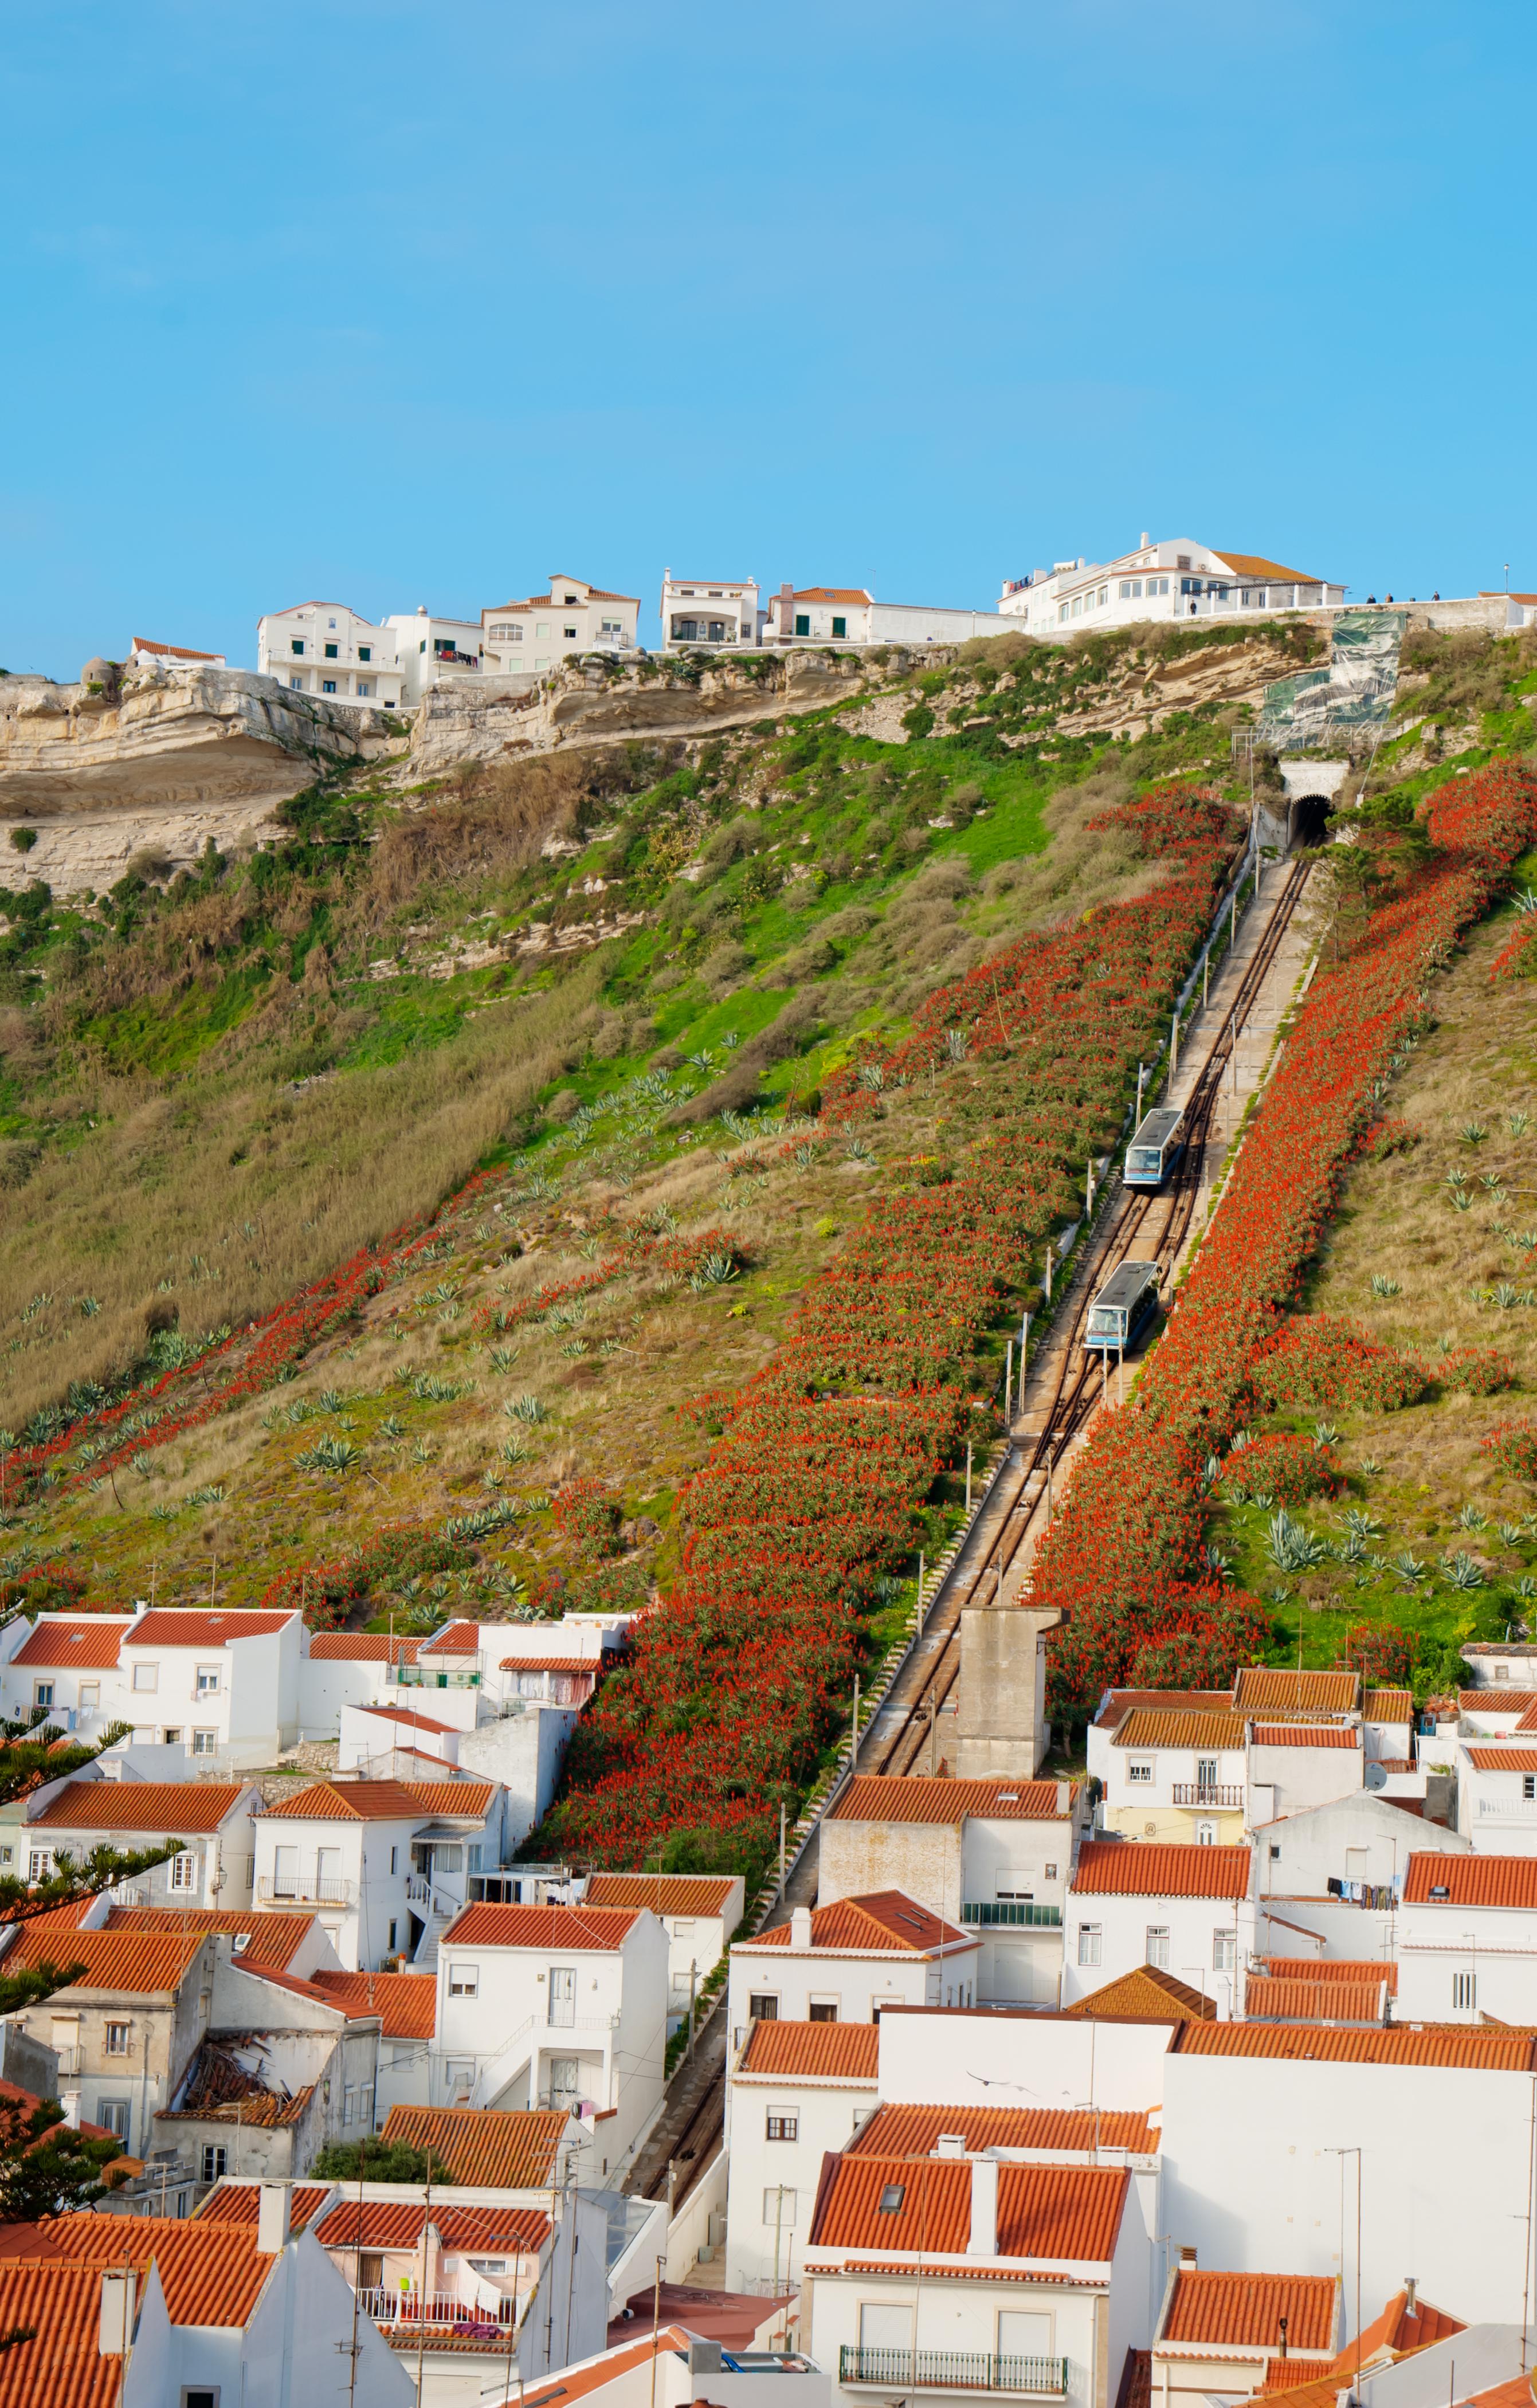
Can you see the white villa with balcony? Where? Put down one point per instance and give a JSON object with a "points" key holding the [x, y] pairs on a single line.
{"points": [[1179, 578], [324, 648], [555, 2007], [382, 1864], [716, 612], [432, 650], [523, 638]]}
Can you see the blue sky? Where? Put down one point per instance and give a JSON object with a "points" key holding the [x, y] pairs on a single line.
{"points": [[391, 305]]}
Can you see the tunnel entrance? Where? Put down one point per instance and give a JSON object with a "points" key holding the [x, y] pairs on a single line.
{"points": [[1313, 817]]}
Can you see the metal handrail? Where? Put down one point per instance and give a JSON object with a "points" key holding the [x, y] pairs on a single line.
{"points": [[952, 2369], [1016, 1912], [305, 1889]]}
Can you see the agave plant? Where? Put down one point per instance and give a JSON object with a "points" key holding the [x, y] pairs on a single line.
{"points": [[731, 1040], [1526, 899], [1324, 1434], [703, 1060], [859, 1151], [574, 1346], [1510, 1534], [1456, 1177], [392, 1426], [1362, 1526], [512, 1450], [1462, 1571], [1351, 1549], [956, 1043], [1473, 1132], [526, 1408], [1370, 1464], [1383, 1285], [1474, 1518], [503, 1358], [330, 1454], [872, 1077], [329, 1400], [714, 1271], [1461, 1202], [1291, 1545], [212, 1493], [1517, 1123], [1525, 1589]]}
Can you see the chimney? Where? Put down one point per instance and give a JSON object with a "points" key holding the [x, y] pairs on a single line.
{"points": [[72, 2111], [1282, 2321], [1146, 540], [116, 2331], [983, 2242], [1064, 1798], [273, 2204], [1411, 2287], [800, 1927], [1187, 2255]]}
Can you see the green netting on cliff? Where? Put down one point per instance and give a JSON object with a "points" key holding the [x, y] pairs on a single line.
{"points": [[1354, 696]]}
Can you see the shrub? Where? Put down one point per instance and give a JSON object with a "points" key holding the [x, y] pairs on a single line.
{"points": [[1285, 1467], [1318, 1361], [24, 838], [586, 1515], [1514, 1447], [1380, 1653], [1478, 1370]]}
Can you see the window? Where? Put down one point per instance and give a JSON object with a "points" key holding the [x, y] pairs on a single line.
{"points": [[779, 2208], [887, 2327], [116, 2042], [513, 635], [464, 1980], [1091, 1940], [184, 1870], [1275, 1851], [1206, 1835], [214, 2161], [208, 1681], [1528, 1784], [328, 686], [1140, 1768], [803, 622], [461, 2074], [568, 631], [297, 684], [40, 1865], [447, 1860], [779, 2124], [364, 689], [1501, 1671], [365, 2103], [394, 1859], [1157, 1945], [390, 1942], [761, 2005], [205, 1742], [422, 645], [171, 1735], [146, 1676], [330, 623], [1206, 1776], [1465, 1990], [473, 1854], [296, 644], [370, 2270], [1223, 1949], [1051, 1872], [364, 652], [330, 652], [348, 2104], [841, 627], [1126, 589], [541, 627], [1023, 2332], [892, 2196], [42, 1693], [90, 1696], [822, 2011], [112, 2114]]}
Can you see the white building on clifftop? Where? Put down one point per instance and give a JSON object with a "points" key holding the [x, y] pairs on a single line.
{"points": [[324, 648], [1180, 579]]}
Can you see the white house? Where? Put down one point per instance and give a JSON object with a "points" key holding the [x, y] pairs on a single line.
{"points": [[1177, 579], [406, 2007], [836, 614], [795, 2092], [848, 1961], [1330, 1878], [959, 2271], [222, 1683], [1497, 1796], [1176, 1777], [1490, 1660], [992, 1854], [523, 638], [1290, 1766], [1468, 1939], [383, 1864], [714, 611], [143, 653], [1183, 1909], [214, 1821], [698, 1911], [324, 648], [1232, 2332], [65, 1666], [432, 650], [1116, 1704], [390, 1742], [556, 2007]]}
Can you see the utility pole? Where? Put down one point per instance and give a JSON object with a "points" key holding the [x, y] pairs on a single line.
{"points": [[968, 1476], [782, 1847], [1051, 1459], [1050, 1251], [1142, 1074], [692, 1983], [854, 1747], [1009, 1387]]}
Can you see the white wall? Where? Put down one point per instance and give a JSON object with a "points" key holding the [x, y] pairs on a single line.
{"points": [[947, 2311], [1192, 1924], [295, 2351], [1297, 1778], [827, 2116], [524, 1751], [1021, 2060], [854, 1984], [1361, 1837], [1444, 1948]]}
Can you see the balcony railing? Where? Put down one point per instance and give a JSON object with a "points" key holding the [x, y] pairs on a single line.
{"points": [[305, 1889], [1208, 1793], [1014, 1912], [953, 2370], [442, 2310], [1507, 1810], [425, 1676]]}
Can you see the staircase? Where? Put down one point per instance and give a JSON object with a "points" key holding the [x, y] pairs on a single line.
{"points": [[437, 1913]]}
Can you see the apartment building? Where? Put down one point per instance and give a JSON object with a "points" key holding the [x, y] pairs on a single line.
{"points": [[839, 614], [848, 1961], [324, 648], [525, 638], [406, 2007], [383, 1864], [126, 2028], [716, 612], [795, 2093], [1467, 1938], [212, 1820], [224, 1684], [1177, 579], [432, 652], [1182, 1910]]}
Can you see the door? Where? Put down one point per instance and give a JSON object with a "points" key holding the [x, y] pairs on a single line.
{"points": [[328, 1870], [285, 1873], [885, 2343], [565, 2081], [1023, 2334], [1206, 1776], [563, 1994]]}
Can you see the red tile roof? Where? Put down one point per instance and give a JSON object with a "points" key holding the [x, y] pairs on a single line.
{"points": [[880, 1921], [1121, 1702], [1485, 2047], [832, 593], [174, 1808], [396, 2224], [132, 1962], [406, 2003], [1215, 2310], [1148, 1728], [594, 1664], [1388, 1706], [454, 1639], [272, 1941], [1052, 2212], [381, 1802], [1335, 1969], [91, 1643], [664, 1893], [1495, 1699], [173, 652], [902, 2131], [1503, 1759], [587, 1928], [465, 1795], [409, 1715], [904, 1800], [1307, 2001], [1254, 564], [793, 2051], [1262, 1689], [238, 2202], [212, 2273], [1400, 2330], [1145, 1995], [502, 2152], [359, 1647], [1157, 1869], [1307, 1735], [167, 1625], [1472, 1880], [61, 2365]]}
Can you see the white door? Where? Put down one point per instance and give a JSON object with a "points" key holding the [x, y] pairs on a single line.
{"points": [[285, 1873], [1023, 2332], [563, 1994], [328, 1868], [885, 2343]]}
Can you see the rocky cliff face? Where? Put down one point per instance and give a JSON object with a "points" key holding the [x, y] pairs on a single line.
{"points": [[170, 757]]}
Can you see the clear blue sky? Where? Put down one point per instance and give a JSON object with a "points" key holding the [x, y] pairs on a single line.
{"points": [[392, 304]]}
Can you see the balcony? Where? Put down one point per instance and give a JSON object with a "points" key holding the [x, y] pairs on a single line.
{"points": [[953, 2370], [1516, 1810], [1209, 1793], [1015, 1913], [444, 2312], [305, 1889], [422, 1676]]}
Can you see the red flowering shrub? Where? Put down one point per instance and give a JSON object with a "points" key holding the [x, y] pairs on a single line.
{"points": [[46, 1587], [326, 1593], [1194, 1633], [1518, 959], [1514, 1447], [1283, 1467], [1318, 1362], [586, 1515], [1478, 1370], [1380, 1653]]}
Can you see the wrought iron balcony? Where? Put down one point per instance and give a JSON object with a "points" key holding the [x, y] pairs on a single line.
{"points": [[1014, 1911], [953, 2370]]}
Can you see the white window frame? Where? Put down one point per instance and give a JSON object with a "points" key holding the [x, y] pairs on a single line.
{"points": [[1157, 1946], [183, 1869], [1138, 1768], [1091, 1944], [464, 1980], [145, 1678], [207, 1679], [117, 2038]]}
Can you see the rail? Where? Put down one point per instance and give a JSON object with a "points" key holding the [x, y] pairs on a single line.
{"points": [[953, 2370], [418, 1676], [305, 1889], [1207, 1793], [439, 2309], [1013, 1913]]}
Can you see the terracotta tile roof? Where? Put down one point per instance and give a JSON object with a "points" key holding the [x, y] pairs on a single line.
{"points": [[1528, 1718], [594, 1664], [900, 1799], [462, 1796], [174, 1808], [832, 593], [1400, 2330], [1388, 1706], [1155, 1869], [167, 1625], [1503, 1759], [1337, 1968], [882, 1920], [1147, 1993], [1136, 2389], [664, 1893], [1121, 1702], [1302, 2001], [136, 1964], [1052, 2212], [272, 1941], [1149, 1728], [359, 1647], [1515, 2391], [1485, 2047], [381, 1802], [544, 602], [1306, 1735], [1262, 1689], [502, 2152], [409, 1715], [212, 2273], [454, 1639], [1496, 1701], [1215, 2310], [406, 2003], [172, 651], [903, 2131], [1472, 1880], [91, 1643], [812, 2052], [396, 2224], [62, 2365], [601, 1928], [237, 2203], [1254, 564]]}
